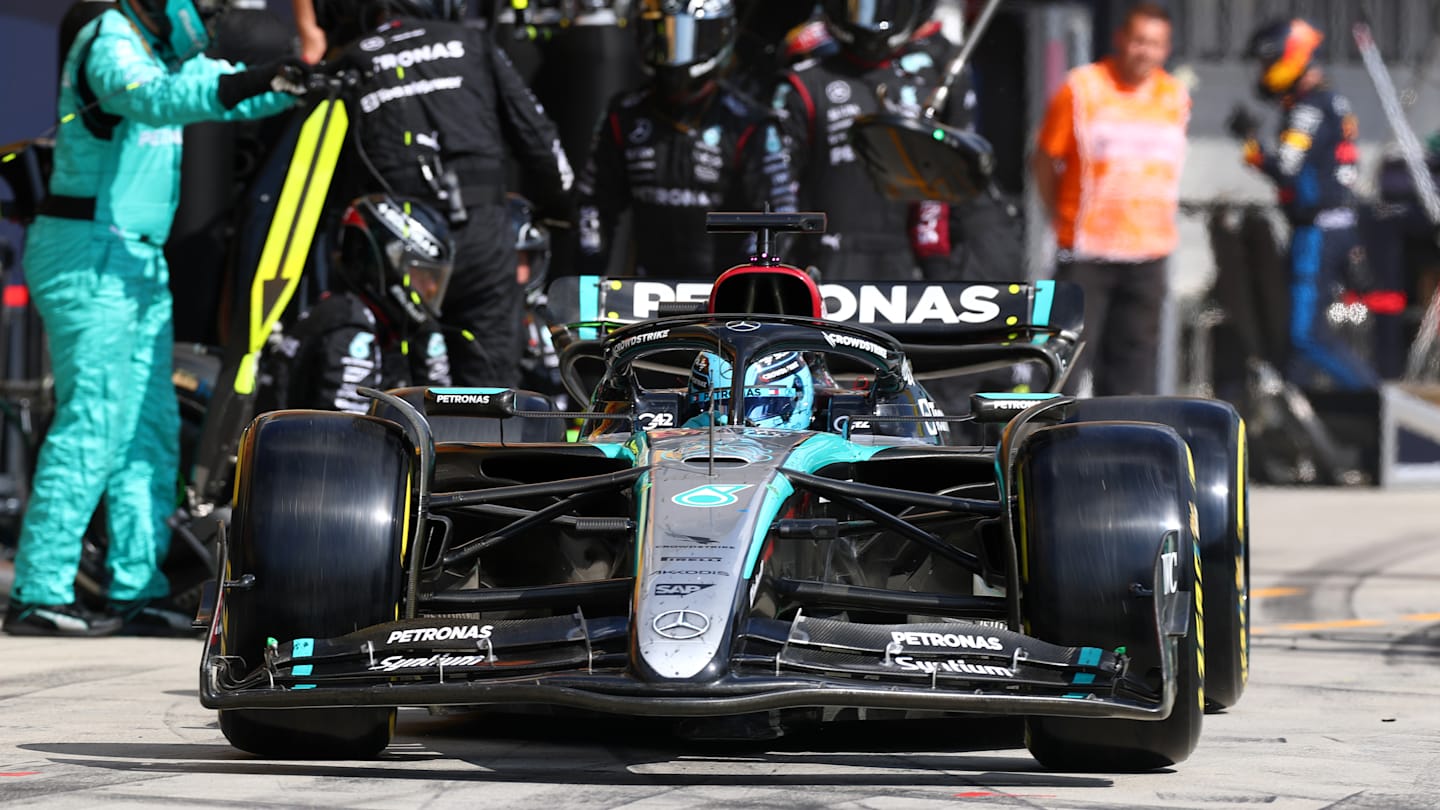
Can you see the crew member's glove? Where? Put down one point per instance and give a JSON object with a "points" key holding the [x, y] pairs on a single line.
{"points": [[292, 76], [1242, 123], [285, 76]]}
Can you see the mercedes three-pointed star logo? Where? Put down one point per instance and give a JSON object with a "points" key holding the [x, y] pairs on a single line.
{"points": [[742, 326], [681, 625]]}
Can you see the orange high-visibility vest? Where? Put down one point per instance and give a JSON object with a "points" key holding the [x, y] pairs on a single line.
{"points": [[1123, 149]]}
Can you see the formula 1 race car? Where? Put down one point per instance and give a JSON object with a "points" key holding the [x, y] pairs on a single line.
{"points": [[766, 519]]}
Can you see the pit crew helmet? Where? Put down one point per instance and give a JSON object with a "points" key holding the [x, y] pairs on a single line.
{"points": [[343, 20], [398, 253], [686, 42], [452, 10], [1285, 50], [176, 29], [531, 237], [779, 391], [873, 29]]}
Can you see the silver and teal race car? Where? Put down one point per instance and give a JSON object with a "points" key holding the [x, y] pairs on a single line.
{"points": [[765, 519]]}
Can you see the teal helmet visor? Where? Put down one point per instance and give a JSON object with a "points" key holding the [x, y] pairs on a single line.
{"points": [[181, 28]]}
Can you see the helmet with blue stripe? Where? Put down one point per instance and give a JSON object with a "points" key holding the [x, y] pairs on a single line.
{"points": [[779, 391]]}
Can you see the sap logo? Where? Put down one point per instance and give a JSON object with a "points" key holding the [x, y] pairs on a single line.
{"points": [[459, 632], [454, 49], [946, 640], [679, 589], [876, 304], [649, 295]]}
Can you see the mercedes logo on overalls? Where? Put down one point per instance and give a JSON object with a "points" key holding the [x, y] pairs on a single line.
{"points": [[681, 625]]}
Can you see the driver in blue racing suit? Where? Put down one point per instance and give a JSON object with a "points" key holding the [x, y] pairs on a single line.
{"points": [[1314, 171], [95, 266]]}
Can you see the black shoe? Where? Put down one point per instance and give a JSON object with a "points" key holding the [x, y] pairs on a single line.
{"points": [[58, 620], [153, 617]]}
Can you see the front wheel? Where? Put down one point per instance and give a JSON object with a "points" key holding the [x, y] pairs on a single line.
{"points": [[320, 521], [1215, 434], [1098, 502]]}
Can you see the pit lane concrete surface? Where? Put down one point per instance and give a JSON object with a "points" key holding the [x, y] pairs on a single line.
{"points": [[1342, 710]]}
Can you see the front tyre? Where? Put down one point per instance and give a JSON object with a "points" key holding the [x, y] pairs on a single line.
{"points": [[1096, 502], [320, 519], [1215, 434]]}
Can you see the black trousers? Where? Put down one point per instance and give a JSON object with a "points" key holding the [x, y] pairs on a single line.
{"points": [[481, 310], [1123, 302]]}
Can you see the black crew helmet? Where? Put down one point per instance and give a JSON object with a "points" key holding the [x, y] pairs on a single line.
{"points": [[453, 10], [874, 29], [398, 253], [531, 237], [685, 43], [344, 20], [177, 29]]}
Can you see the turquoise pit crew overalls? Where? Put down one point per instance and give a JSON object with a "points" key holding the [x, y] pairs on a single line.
{"points": [[96, 270]]}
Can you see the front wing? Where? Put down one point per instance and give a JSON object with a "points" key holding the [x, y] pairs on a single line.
{"points": [[582, 663]]}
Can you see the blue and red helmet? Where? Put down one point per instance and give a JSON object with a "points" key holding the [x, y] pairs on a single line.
{"points": [[1285, 49], [779, 391]]}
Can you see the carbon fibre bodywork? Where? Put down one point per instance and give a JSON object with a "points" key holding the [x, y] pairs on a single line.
{"points": [[732, 569]]}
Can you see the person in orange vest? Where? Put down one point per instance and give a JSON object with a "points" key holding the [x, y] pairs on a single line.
{"points": [[1107, 166]]}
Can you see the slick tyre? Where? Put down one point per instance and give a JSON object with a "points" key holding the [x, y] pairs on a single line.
{"points": [[1215, 434], [319, 521], [1097, 502]]}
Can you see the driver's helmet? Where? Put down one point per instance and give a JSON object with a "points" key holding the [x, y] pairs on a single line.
{"points": [[779, 391], [397, 253], [1285, 50]]}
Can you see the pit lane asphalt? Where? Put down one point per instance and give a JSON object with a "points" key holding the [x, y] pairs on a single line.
{"points": [[1342, 710]]}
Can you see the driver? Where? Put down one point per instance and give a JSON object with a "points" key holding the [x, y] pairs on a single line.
{"points": [[779, 391], [378, 329]]}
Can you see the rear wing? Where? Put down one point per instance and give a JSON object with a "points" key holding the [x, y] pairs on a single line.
{"points": [[914, 312]]}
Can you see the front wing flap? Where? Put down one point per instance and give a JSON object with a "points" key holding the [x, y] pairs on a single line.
{"points": [[581, 663]]}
